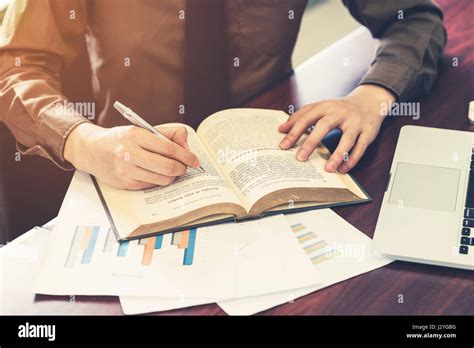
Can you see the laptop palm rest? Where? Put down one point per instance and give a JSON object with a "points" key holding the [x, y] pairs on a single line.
{"points": [[425, 187]]}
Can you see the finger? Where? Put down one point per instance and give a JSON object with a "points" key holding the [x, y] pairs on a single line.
{"points": [[302, 123], [179, 135], [341, 154], [323, 126], [157, 163], [148, 177], [167, 148], [358, 151], [286, 126], [318, 110]]}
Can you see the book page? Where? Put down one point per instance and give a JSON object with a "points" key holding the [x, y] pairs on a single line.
{"points": [[245, 143], [193, 190]]}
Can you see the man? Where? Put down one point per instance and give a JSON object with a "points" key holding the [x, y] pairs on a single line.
{"points": [[179, 61]]}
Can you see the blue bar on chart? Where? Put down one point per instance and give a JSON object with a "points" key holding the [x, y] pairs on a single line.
{"points": [[92, 235], [158, 241], [123, 247], [189, 251]]}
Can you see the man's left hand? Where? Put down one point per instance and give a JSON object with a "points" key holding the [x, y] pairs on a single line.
{"points": [[358, 115]]}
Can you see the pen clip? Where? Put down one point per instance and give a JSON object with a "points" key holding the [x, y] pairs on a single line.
{"points": [[133, 117]]}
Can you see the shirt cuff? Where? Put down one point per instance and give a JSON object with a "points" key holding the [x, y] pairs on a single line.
{"points": [[54, 126], [394, 76]]}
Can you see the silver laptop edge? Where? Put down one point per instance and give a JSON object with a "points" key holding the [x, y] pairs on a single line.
{"points": [[423, 207]]}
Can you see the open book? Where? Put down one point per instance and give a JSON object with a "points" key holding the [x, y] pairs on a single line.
{"points": [[246, 175]]}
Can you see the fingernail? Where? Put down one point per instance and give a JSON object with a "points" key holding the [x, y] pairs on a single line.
{"points": [[285, 143], [332, 166], [196, 163], [343, 169], [302, 155]]}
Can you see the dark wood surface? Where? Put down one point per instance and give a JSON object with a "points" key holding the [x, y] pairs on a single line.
{"points": [[427, 290]]}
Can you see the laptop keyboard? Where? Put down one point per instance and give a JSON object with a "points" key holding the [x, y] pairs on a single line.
{"points": [[467, 231]]}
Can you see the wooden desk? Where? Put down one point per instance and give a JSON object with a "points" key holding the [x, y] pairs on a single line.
{"points": [[425, 289]]}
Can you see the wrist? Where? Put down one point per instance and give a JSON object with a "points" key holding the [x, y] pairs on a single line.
{"points": [[375, 98], [376, 92], [75, 147]]}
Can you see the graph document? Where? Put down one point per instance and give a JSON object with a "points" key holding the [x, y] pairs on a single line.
{"points": [[220, 262]]}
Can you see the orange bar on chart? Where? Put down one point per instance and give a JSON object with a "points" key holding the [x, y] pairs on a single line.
{"points": [[183, 243], [148, 252], [86, 237]]}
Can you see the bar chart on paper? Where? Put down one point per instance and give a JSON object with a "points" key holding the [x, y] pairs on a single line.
{"points": [[317, 249], [91, 243]]}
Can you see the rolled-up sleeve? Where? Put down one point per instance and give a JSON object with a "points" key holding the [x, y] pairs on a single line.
{"points": [[38, 39], [412, 38]]}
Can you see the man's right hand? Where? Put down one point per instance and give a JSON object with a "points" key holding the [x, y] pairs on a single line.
{"points": [[129, 157]]}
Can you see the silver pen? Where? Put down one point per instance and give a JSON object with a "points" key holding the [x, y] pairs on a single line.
{"points": [[136, 120]]}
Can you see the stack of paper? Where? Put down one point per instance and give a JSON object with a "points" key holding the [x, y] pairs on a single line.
{"points": [[336, 250], [245, 267]]}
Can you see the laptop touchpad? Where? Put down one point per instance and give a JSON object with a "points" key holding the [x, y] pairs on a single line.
{"points": [[426, 187]]}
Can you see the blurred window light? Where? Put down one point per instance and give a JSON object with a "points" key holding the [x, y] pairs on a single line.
{"points": [[4, 4]]}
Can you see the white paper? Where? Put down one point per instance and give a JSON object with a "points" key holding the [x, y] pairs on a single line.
{"points": [[147, 304], [355, 256], [230, 260], [19, 262]]}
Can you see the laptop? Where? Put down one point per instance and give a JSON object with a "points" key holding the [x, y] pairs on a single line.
{"points": [[427, 212]]}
